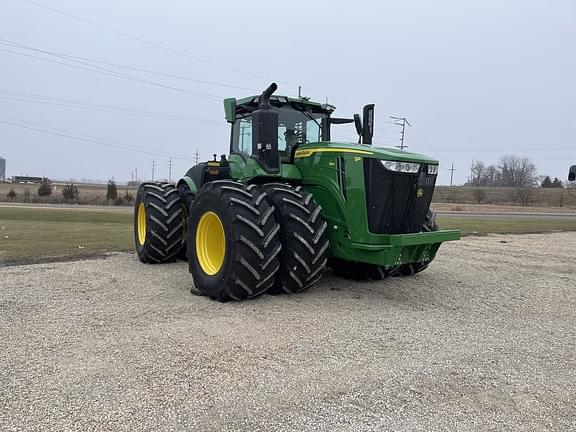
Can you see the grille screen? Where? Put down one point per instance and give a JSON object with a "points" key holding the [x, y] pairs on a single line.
{"points": [[397, 203]]}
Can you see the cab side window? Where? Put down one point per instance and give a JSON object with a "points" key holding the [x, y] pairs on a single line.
{"points": [[242, 136]]}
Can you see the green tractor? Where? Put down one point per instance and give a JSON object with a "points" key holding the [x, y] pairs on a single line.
{"points": [[289, 202]]}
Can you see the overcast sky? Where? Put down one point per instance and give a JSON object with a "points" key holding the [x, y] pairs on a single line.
{"points": [[476, 79]]}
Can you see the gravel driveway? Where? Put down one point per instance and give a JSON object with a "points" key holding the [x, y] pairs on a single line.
{"points": [[483, 340]]}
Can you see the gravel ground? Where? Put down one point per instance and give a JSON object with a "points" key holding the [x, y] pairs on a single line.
{"points": [[483, 340]]}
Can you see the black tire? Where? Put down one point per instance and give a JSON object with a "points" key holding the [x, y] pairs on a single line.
{"points": [[303, 238], [163, 240], [360, 271], [250, 241], [187, 197], [413, 268]]}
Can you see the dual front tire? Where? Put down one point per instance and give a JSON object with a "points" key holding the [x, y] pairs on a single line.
{"points": [[244, 240], [233, 243]]}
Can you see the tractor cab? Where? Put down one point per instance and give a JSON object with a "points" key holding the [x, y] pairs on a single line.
{"points": [[269, 128], [299, 121]]}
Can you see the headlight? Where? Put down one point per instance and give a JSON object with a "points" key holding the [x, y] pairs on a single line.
{"points": [[405, 167], [433, 169]]}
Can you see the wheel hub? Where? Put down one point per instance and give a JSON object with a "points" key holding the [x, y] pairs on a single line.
{"points": [[210, 243]]}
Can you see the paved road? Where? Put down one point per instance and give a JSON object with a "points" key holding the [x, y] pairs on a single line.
{"points": [[507, 215], [481, 341]]}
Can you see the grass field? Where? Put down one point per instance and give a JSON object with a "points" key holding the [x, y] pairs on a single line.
{"points": [[479, 226], [28, 234], [33, 234]]}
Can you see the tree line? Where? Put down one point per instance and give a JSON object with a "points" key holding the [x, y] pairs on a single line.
{"points": [[69, 194], [510, 171]]}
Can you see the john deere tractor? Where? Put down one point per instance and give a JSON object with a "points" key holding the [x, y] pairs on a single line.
{"points": [[288, 201]]}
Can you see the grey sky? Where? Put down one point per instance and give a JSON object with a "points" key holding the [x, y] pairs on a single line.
{"points": [[477, 79]]}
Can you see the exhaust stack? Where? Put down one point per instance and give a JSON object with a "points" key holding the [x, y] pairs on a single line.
{"points": [[265, 132]]}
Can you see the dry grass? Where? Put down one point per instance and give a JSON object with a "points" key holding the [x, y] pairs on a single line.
{"points": [[529, 197]]}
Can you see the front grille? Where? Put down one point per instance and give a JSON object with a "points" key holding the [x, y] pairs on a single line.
{"points": [[392, 198]]}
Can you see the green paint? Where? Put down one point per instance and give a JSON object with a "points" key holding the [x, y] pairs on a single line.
{"points": [[190, 183], [245, 169]]}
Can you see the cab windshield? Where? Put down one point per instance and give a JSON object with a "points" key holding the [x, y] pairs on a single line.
{"points": [[294, 128]]}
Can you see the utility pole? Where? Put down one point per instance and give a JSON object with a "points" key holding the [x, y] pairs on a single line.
{"points": [[153, 166], [452, 169], [196, 157], [170, 170], [136, 175], [401, 121], [299, 92]]}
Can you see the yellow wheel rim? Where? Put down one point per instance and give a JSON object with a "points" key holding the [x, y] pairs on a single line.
{"points": [[210, 243], [141, 224]]}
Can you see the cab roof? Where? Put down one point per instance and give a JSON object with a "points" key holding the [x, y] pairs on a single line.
{"points": [[237, 108]]}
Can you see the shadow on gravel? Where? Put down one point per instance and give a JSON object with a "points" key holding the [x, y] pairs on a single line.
{"points": [[55, 259]]}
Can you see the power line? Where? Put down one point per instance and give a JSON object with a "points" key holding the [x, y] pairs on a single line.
{"points": [[90, 106], [79, 137], [143, 41], [132, 68], [163, 47], [107, 72]]}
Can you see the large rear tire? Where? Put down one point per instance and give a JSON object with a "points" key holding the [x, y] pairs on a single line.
{"points": [[303, 238], [158, 224], [233, 241], [187, 197]]}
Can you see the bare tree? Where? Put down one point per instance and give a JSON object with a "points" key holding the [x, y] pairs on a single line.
{"points": [[484, 175], [477, 172], [517, 172], [492, 176]]}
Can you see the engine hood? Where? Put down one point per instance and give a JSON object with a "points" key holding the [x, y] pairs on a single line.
{"points": [[372, 151]]}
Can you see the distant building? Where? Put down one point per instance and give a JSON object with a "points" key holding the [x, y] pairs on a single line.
{"points": [[29, 179], [2, 169]]}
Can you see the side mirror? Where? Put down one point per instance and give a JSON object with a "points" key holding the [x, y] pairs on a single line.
{"points": [[572, 173], [368, 127], [326, 129], [358, 124]]}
